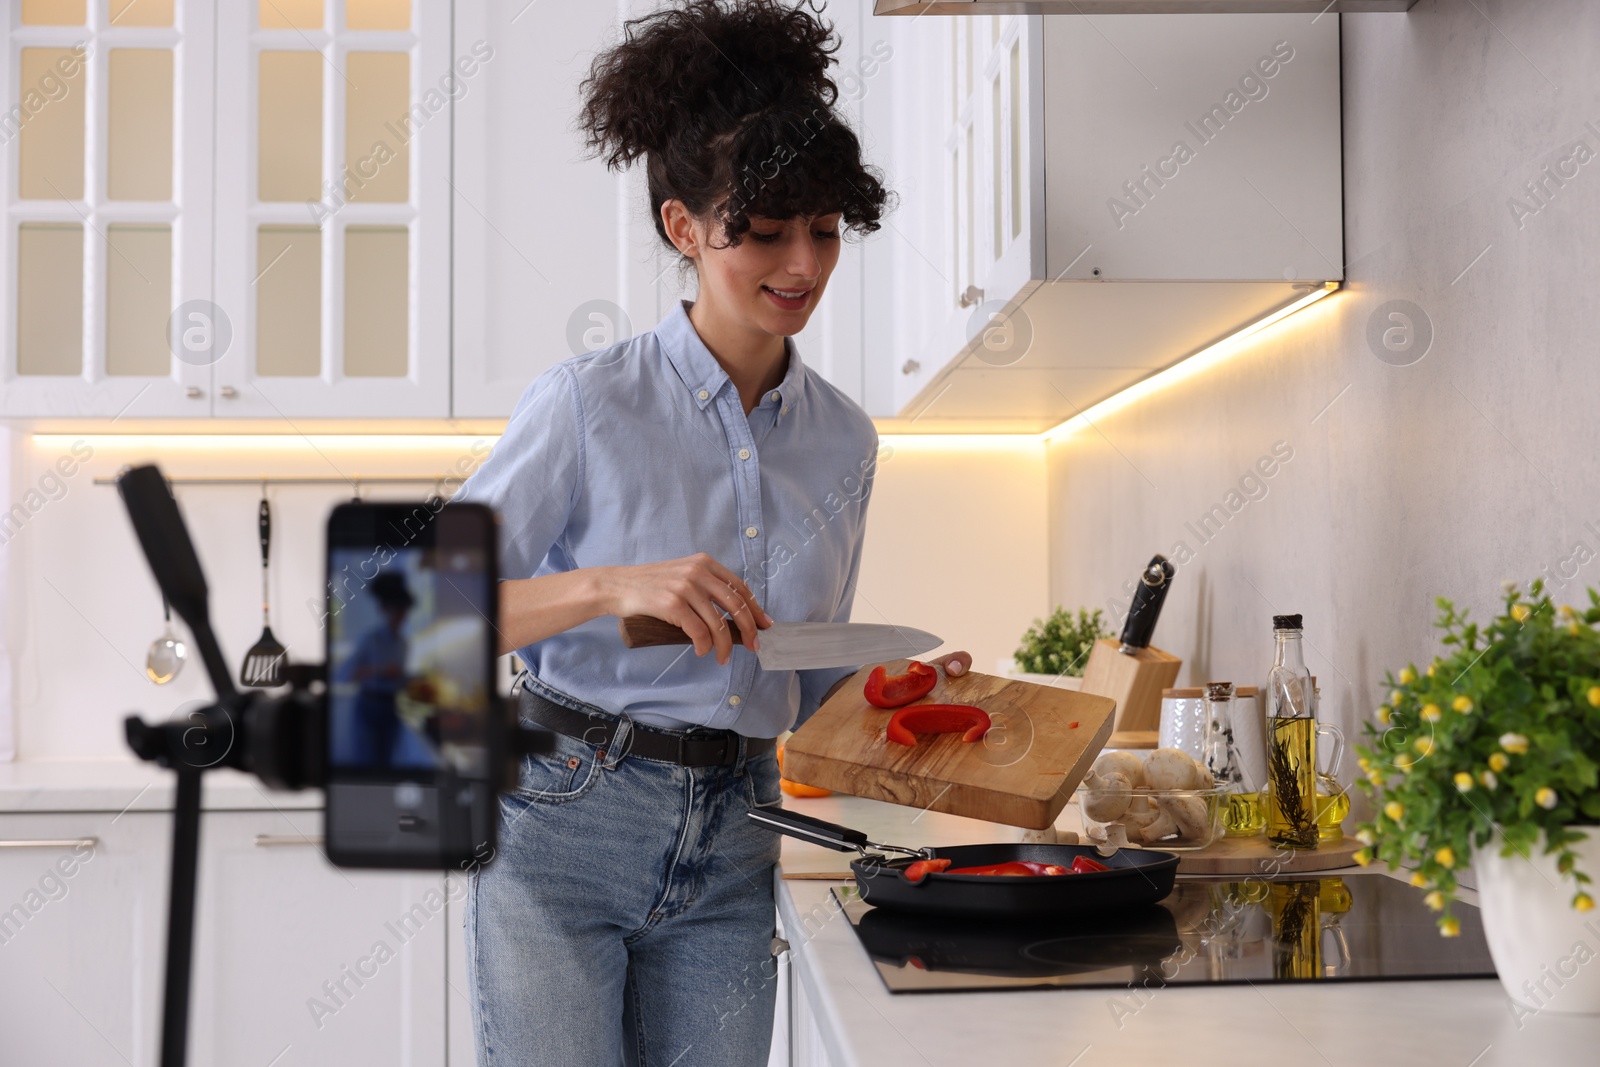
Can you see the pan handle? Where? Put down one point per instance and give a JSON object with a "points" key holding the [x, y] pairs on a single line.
{"points": [[824, 833], [809, 828]]}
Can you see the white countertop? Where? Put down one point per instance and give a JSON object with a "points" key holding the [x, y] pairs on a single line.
{"points": [[1449, 1023], [131, 785]]}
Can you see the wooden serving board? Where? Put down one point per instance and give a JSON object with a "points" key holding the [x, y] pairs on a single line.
{"points": [[1255, 855], [1021, 773]]}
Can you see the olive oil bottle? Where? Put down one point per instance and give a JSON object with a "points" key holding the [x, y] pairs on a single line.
{"points": [[1291, 790], [1241, 800]]}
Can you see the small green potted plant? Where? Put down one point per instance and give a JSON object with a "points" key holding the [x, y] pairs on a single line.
{"points": [[1054, 650], [1491, 756]]}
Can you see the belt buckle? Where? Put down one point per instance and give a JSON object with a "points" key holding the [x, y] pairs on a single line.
{"points": [[721, 736]]}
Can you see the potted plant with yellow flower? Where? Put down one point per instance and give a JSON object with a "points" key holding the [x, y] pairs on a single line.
{"points": [[1492, 756]]}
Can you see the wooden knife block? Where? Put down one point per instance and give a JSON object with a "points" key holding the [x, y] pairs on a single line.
{"points": [[1135, 682]]}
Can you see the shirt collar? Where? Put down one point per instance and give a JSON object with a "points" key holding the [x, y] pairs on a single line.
{"points": [[704, 376]]}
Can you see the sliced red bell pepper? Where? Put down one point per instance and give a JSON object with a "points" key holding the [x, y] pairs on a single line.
{"points": [[969, 721], [1085, 865], [1015, 869], [919, 869], [885, 690]]}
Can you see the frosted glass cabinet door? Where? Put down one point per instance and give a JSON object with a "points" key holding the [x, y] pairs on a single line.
{"points": [[105, 209], [333, 206]]}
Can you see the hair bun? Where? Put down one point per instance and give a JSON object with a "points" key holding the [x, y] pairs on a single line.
{"points": [[705, 65]]}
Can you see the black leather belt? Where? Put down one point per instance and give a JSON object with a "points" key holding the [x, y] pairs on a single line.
{"points": [[697, 748]]}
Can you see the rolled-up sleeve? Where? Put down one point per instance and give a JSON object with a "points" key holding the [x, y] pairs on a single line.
{"points": [[533, 476]]}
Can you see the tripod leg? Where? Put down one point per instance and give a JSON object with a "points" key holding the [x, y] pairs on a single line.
{"points": [[180, 916]]}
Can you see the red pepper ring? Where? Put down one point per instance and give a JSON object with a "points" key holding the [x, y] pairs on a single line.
{"points": [[885, 690], [968, 720]]}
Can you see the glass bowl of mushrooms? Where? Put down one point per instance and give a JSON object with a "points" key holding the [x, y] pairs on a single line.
{"points": [[1165, 800]]}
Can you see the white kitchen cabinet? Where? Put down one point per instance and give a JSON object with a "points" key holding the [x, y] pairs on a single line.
{"points": [[806, 1045], [82, 921], [1081, 248], [554, 255], [81, 954], [300, 959], [461, 1048], [229, 209], [105, 207]]}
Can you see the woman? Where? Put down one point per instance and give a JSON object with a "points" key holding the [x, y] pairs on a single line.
{"points": [[699, 473]]}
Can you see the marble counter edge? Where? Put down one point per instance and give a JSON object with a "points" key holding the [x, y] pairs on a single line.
{"points": [[28, 787]]}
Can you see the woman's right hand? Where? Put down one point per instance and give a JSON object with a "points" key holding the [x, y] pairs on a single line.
{"points": [[691, 593]]}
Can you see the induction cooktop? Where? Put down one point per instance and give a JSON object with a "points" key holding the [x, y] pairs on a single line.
{"points": [[1366, 927]]}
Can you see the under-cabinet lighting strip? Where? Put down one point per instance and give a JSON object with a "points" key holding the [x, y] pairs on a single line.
{"points": [[356, 481], [293, 442], [1202, 360]]}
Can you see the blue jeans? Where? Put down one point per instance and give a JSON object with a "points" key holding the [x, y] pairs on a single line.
{"points": [[627, 917]]}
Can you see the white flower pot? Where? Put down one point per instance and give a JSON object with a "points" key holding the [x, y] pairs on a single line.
{"points": [[1006, 668], [1547, 953]]}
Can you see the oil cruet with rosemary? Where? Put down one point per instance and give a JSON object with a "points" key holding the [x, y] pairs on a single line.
{"points": [[1241, 800], [1291, 790]]}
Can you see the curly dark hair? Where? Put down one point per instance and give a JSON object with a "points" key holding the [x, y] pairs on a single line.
{"points": [[730, 104]]}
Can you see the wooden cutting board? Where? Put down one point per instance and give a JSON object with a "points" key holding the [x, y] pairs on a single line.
{"points": [[1254, 855], [1021, 773]]}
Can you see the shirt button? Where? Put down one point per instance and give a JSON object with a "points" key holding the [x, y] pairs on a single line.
{"points": [[785, 409], [703, 395], [744, 453], [773, 396], [734, 700], [750, 531]]}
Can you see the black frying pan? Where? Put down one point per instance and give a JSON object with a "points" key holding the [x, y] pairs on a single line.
{"points": [[1136, 876]]}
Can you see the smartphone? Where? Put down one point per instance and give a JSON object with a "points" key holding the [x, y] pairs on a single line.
{"points": [[414, 727]]}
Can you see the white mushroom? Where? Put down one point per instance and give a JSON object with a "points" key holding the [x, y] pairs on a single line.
{"points": [[1107, 798], [1172, 768], [1190, 815], [1164, 826], [1127, 764], [1142, 811]]}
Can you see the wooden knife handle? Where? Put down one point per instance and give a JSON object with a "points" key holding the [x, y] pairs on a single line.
{"points": [[644, 631]]}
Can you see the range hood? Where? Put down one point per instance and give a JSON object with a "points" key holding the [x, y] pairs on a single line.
{"points": [[1100, 227], [1134, 7]]}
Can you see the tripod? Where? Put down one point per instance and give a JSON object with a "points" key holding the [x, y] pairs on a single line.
{"points": [[280, 738]]}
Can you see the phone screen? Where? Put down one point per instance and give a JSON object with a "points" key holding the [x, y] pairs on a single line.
{"points": [[413, 717]]}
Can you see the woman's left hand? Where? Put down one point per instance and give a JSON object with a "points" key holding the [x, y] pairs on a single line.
{"points": [[955, 664]]}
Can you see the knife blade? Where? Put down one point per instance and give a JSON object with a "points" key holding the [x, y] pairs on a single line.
{"points": [[796, 646]]}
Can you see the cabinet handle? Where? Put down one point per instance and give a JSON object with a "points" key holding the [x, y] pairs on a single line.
{"points": [[286, 840], [52, 842], [193, 392], [910, 366], [971, 296], [229, 392]]}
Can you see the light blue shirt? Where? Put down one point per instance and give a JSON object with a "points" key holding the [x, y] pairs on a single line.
{"points": [[642, 452]]}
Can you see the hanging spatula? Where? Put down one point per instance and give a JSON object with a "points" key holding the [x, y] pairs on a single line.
{"points": [[263, 664]]}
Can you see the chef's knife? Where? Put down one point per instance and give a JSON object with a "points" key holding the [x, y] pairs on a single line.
{"points": [[1154, 581], [796, 646]]}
